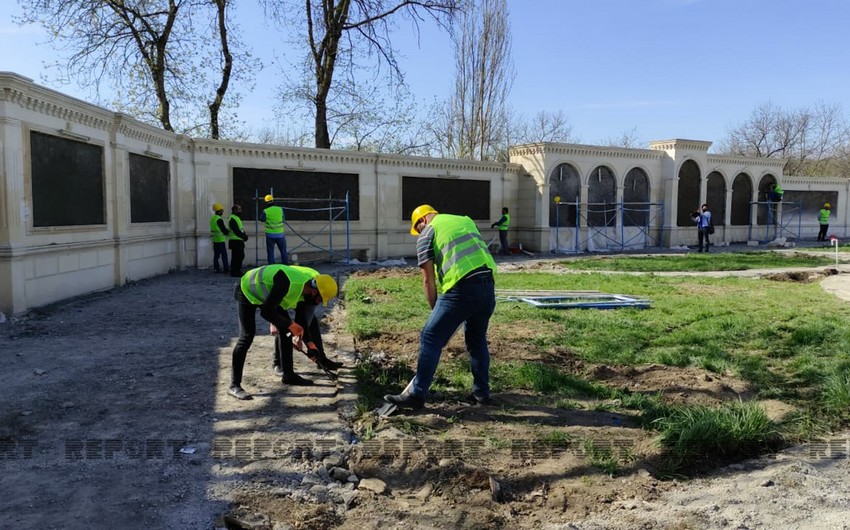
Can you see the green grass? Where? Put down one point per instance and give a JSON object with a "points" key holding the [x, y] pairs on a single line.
{"points": [[787, 340], [699, 435], [696, 262]]}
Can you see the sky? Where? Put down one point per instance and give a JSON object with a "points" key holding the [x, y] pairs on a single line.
{"points": [[659, 69]]}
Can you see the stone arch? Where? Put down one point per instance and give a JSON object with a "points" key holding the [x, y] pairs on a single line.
{"points": [[636, 191], [687, 199], [715, 197], [564, 182], [742, 194], [601, 197], [765, 184]]}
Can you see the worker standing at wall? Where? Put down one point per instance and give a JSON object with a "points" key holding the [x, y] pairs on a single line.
{"points": [[503, 224], [823, 219], [219, 233], [236, 240], [274, 219], [450, 250], [274, 289]]}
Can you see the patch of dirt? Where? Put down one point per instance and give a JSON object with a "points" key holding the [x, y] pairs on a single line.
{"points": [[800, 276]]}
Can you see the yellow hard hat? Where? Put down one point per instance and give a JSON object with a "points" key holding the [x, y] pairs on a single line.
{"points": [[327, 287], [218, 206], [419, 213], [826, 205], [270, 198]]}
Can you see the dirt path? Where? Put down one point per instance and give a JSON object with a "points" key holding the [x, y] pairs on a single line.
{"points": [[114, 415]]}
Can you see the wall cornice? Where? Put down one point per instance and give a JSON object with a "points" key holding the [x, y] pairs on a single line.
{"points": [[23, 92], [680, 143], [547, 148], [774, 163], [142, 132]]}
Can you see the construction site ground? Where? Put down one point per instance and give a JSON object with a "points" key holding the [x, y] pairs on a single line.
{"points": [[114, 414]]}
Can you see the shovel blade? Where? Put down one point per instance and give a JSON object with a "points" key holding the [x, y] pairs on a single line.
{"points": [[386, 410]]}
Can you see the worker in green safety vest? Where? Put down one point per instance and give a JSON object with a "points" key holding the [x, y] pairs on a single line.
{"points": [[451, 252], [236, 240], [274, 290], [823, 220], [503, 224], [274, 220], [218, 234]]}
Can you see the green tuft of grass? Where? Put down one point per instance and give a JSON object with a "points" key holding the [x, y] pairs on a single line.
{"points": [[701, 435], [689, 262], [602, 458], [835, 394]]}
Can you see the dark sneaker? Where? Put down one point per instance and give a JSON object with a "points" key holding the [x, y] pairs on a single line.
{"points": [[278, 371], [238, 392], [295, 380], [329, 364], [405, 401]]}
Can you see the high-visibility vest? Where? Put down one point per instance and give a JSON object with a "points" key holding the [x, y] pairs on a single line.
{"points": [[507, 222], [257, 283], [274, 220], [459, 249], [824, 216], [215, 230], [233, 235]]}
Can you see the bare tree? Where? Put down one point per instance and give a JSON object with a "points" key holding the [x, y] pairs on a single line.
{"points": [[628, 139], [813, 140], [148, 50], [545, 126], [474, 123], [339, 32]]}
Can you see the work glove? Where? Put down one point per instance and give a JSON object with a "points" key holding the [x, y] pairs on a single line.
{"points": [[328, 366], [297, 332]]}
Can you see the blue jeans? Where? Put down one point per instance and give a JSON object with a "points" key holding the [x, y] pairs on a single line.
{"points": [[220, 251], [470, 302], [280, 243]]}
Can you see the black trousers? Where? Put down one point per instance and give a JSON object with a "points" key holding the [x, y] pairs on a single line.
{"points": [[503, 241], [247, 313], [702, 234], [237, 256], [822, 232]]}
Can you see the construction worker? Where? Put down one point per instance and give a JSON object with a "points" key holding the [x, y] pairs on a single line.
{"points": [[219, 233], [823, 219], [450, 251], [776, 193], [503, 224], [236, 241], [274, 219], [275, 289]]}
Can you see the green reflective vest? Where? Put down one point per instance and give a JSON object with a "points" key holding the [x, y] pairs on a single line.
{"points": [[823, 217], [274, 220], [233, 235], [459, 249], [215, 231], [507, 222], [257, 283]]}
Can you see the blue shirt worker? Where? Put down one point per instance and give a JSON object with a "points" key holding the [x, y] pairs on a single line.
{"points": [[274, 290], [451, 252], [218, 234], [274, 220], [823, 220], [503, 224], [702, 218]]}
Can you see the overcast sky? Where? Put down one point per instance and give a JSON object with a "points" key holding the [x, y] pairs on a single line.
{"points": [[665, 68]]}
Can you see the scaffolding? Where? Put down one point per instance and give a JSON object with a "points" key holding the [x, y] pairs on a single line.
{"points": [[780, 218], [337, 210], [640, 217]]}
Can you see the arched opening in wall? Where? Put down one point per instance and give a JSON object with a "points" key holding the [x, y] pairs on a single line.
{"points": [[635, 197], [742, 194], [688, 198], [564, 182], [601, 198], [765, 185], [715, 197]]}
